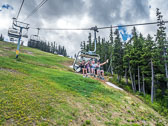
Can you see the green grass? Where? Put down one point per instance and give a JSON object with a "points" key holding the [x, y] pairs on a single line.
{"points": [[158, 105], [38, 89]]}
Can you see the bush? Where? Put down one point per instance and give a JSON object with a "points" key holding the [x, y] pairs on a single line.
{"points": [[107, 74], [88, 122], [128, 88]]}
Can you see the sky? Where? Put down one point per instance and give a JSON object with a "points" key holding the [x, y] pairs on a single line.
{"points": [[82, 14]]}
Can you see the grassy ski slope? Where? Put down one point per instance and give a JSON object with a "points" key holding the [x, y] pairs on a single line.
{"points": [[39, 89]]}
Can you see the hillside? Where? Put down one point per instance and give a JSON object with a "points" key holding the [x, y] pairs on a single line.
{"points": [[39, 89]]}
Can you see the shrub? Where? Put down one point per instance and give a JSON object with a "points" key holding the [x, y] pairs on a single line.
{"points": [[88, 122]]}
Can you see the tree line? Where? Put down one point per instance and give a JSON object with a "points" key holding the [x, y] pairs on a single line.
{"points": [[141, 61], [50, 47]]}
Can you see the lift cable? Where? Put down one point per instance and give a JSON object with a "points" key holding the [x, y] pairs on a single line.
{"points": [[151, 23], [63, 29], [20, 10], [36, 9], [66, 29]]}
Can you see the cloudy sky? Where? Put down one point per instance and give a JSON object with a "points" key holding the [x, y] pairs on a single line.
{"points": [[82, 14]]}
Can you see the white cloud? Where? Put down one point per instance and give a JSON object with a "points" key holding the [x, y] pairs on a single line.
{"points": [[71, 39]]}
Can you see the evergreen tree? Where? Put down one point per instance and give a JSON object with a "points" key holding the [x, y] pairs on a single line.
{"points": [[149, 49], [1, 38], [134, 58], [82, 46], [141, 60], [162, 47], [118, 55], [50, 47], [126, 61], [111, 35]]}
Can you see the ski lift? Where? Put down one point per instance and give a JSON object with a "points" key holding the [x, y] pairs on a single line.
{"points": [[25, 35], [90, 55], [12, 39], [86, 56], [35, 37], [14, 33]]}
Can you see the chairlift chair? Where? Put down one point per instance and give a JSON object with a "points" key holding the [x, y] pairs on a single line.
{"points": [[84, 56], [25, 35], [14, 33], [12, 39], [34, 38], [90, 55]]}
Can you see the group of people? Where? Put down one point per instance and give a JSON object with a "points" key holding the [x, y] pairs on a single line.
{"points": [[92, 68]]}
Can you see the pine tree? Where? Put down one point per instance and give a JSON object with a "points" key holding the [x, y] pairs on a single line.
{"points": [[82, 46], [1, 38], [126, 60], [98, 50], [118, 55], [161, 73], [149, 49], [111, 35], [134, 57], [139, 60]]}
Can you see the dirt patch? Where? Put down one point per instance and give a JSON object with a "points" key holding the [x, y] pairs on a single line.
{"points": [[9, 70], [9, 122], [68, 63], [27, 52], [9, 48], [13, 49]]}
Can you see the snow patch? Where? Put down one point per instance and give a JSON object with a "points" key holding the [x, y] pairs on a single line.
{"points": [[61, 55], [71, 66], [114, 86]]}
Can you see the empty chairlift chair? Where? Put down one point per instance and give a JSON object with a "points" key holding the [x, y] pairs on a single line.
{"points": [[14, 33]]}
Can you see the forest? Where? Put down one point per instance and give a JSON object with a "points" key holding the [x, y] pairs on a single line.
{"points": [[50, 47], [141, 62]]}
